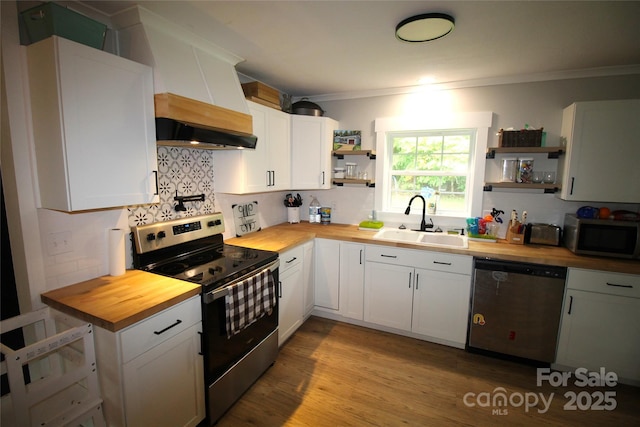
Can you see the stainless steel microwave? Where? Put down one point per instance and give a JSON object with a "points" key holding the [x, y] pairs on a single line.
{"points": [[602, 237]]}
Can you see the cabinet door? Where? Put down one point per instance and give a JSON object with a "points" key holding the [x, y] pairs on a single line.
{"points": [[165, 385], [352, 280], [308, 280], [599, 330], [279, 129], [601, 161], [388, 295], [327, 274], [441, 305], [291, 302], [94, 127], [311, 146], [255, 167]]}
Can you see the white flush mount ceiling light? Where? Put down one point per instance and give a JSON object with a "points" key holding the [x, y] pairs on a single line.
{"points": [[425, 27]]}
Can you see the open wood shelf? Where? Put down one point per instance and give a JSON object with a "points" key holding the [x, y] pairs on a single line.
{"points": [[341, 181], [548, 188], [552, 152], [369, 153]]}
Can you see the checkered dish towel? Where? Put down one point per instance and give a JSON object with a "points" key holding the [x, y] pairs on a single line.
{"points": [[249, 300]]}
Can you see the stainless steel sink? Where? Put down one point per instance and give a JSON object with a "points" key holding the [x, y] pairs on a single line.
{"points": [[422, 238]]}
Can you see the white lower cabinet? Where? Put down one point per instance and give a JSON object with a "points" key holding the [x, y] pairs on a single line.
{"points": [[327, 274], [291, 293], [151, 373], [352, 280], [600, 325], [307, 279], [425, 293]]}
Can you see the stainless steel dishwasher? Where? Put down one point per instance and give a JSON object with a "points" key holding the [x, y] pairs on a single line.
{"points": [[516, 309]]}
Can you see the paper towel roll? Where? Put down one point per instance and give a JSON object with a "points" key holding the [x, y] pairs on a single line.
{"points": [[116, 252]]}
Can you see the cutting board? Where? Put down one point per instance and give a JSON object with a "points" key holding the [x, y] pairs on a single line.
{"points": [[246, 218]]}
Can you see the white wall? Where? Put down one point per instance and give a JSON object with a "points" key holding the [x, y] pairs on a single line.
{"points": [[538, 104]]}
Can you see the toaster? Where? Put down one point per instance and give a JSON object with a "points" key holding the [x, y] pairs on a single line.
{"points": [[543, 234]]}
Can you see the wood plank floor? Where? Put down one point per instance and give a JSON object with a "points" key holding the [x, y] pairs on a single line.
{"points": [[335, 374]]}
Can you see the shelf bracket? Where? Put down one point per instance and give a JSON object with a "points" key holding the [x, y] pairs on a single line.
{"points": [[338, 156], [551, 190], [555, 154], [491, 154], [487, 188]]}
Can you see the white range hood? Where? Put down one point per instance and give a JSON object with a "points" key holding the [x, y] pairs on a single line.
{"points": [[196, 83]]}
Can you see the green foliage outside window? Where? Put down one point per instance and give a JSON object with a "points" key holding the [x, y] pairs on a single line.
{"points": [[426, 162]]}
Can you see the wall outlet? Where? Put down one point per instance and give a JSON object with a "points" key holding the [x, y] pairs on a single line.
{"points": [[59, 243]]}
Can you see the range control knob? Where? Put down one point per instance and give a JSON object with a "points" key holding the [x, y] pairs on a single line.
{"points": [[151, 236], [161, 234]]}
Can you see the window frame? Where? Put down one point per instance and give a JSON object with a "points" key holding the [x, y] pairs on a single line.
{"points": [[440, 133], [480, 121]]}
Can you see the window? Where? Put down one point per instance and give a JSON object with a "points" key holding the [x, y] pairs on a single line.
{"points": [[419, 156], [432, 164]]}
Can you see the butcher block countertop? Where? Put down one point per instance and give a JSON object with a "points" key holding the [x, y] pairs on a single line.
{"points": [[115, 302], [285, 236]]}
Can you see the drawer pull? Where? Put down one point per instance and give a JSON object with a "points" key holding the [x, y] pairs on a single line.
{"points": [[570, 303], [619, 286], [291, 260], [388, 256], [441, 263], [168, 327]]}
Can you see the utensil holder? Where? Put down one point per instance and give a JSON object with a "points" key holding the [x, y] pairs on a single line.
{"points": [[293, 215]]}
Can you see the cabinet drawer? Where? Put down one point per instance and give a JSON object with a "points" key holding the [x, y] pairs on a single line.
{"points": [[604, 282], [429, 260], [291, 258], [387, 255], [450, 263], [150, 332]]}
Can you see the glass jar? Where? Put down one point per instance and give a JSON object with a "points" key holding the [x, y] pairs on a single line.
{"points": [[525, 170], [509, 168], [352, 170]]}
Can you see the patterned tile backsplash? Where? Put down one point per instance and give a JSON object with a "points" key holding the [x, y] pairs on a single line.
{"points": [[182, 172]]}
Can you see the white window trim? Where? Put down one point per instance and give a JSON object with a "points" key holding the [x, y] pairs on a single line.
{"points": [[481, 121]]}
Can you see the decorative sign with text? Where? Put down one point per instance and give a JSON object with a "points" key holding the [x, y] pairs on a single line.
{"points": [[246, 218]]}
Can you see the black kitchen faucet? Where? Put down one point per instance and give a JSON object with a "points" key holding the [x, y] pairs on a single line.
{"points": [[423, 224]]}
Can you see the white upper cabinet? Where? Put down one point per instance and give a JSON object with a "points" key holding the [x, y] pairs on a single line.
{"points": [[601, 164], [93, 124], [267, 168], [311, 146]]}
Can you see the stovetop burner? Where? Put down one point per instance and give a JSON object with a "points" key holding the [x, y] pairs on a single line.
{"points": [[192, 249]]}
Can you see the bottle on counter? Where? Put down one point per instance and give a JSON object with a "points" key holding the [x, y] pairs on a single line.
{"points": [[314, 211]]}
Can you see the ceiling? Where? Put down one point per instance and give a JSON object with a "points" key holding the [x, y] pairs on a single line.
{"points": [[341, 48]]}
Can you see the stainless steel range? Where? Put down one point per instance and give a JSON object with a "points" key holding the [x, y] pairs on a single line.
{"points": [[239, 299]]}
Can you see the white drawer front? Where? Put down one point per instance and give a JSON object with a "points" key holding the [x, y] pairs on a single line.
{"points": [[452, 263], [387, 255], [604, 282], [429, 260], [291, 258], [150, 332]]}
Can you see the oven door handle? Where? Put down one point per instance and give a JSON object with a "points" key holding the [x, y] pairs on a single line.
{"points": [[216, 294]]}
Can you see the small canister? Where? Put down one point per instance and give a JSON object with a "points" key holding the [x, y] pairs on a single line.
{"points": [[352, 170], [325, 216], [509, 168], [338, 173], [525, 170]]}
